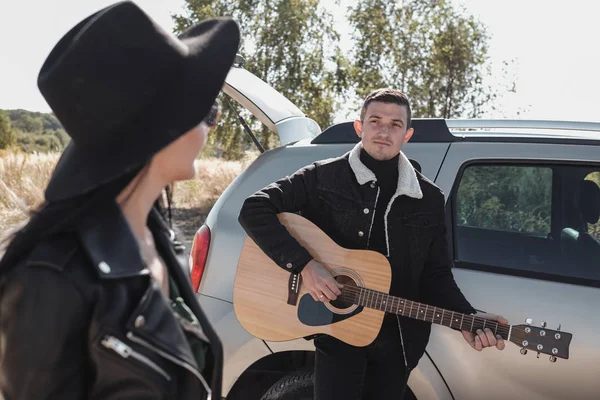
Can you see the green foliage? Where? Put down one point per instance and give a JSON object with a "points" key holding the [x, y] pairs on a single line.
{"points": [[428, 49], [30, 142], [26, 123], [7, 135], [508, 198], [433, 51], [291, 45], [37, 132]]}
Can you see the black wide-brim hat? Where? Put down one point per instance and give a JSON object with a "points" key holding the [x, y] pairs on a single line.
{"points": [[124, 88]]}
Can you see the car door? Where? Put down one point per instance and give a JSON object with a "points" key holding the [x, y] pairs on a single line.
{"points": [[516, 218]]}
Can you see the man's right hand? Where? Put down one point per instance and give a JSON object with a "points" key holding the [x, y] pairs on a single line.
{"points": [[319, 282]]}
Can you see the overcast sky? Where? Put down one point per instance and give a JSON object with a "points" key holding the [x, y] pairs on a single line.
{"points": [[552, 42]]}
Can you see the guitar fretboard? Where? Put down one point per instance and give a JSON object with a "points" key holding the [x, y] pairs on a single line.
{"points": [[423, 312]]}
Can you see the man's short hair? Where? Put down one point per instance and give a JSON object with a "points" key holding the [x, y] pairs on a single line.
{"points": [[386, 95]]}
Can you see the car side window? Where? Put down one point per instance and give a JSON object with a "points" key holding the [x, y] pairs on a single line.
{"points": [[532, 219], [506, 198]]}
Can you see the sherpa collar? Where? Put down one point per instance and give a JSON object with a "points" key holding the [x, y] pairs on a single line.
{"points": [[408, 184]]}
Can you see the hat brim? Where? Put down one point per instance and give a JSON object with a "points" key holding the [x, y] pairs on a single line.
{"points": [[177, 107]]}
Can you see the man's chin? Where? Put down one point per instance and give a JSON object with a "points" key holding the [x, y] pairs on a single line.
{"points": [[382, 156], [380, 153]]}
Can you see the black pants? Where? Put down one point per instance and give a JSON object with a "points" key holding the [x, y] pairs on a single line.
{"points": [[374, 372]]}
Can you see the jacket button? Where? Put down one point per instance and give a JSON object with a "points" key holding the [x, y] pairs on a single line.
{"points": [[140, 321], [366, 210], [361, 233], [104, 267], [289, 265]]}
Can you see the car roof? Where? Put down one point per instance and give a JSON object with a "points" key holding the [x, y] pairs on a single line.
{"points": [[437, 130]]}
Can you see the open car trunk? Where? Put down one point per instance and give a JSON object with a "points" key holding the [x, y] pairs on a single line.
{"points": [[269, 106]]}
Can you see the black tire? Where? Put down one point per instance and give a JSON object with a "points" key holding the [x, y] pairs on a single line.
{"points": [[298, 386]]}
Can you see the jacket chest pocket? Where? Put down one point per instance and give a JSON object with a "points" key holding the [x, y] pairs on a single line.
{"points": [[420, 230], [336, 210]]}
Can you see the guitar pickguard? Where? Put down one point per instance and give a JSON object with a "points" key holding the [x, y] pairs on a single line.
{"points": [[316, 313]]}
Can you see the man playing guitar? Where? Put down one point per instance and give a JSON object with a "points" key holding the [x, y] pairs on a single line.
{"points": [[369, 198]]}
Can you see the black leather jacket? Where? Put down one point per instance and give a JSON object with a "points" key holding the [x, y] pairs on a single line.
{"points": [[81, 318], [339, 196]]}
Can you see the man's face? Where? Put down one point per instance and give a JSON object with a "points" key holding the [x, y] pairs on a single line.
{"points": [[383, 131]]}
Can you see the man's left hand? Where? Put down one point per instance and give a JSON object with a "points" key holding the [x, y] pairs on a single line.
{"points": [[485, 338]]}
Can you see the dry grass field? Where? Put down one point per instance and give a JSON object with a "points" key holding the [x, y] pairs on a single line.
{"points": [[23, 178]]}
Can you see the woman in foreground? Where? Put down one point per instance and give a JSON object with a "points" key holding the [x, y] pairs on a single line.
{"points": [[94, 302]]}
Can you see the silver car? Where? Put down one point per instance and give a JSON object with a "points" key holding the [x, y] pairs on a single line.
{"points": [[523, 202]]}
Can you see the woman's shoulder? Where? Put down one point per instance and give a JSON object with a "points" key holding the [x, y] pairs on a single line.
{"points": [[55, 264], [61, 254]]}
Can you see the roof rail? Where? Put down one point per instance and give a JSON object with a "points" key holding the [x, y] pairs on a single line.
{"points": [[343, 132], [522, 124], [435, 130]]}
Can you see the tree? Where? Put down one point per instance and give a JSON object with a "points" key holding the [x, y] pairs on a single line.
{"points": [[426, 48], [29, 123], [7, 136], [291, 45]]}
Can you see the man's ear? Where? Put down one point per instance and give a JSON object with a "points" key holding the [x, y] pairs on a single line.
{"points": [[409, 134], [358, 127]]}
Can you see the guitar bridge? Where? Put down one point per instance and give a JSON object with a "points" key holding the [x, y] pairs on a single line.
{"points": [[293, 288]]}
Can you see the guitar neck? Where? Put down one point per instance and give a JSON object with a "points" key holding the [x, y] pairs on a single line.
{"points": [[423, 312]]}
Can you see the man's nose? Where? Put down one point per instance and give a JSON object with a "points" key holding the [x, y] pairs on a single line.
{"points": [[385, 130]]}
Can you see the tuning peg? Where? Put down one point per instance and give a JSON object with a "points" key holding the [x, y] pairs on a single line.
{"points": [[558, 329], [529, 321], [552, 359], [523, 351], [538, 354], [544, 324]]}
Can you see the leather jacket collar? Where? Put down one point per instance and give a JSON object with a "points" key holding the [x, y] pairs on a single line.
{"points": [[110, 244]]}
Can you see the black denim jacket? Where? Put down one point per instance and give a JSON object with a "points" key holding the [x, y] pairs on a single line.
{"points": [[339, 195]]}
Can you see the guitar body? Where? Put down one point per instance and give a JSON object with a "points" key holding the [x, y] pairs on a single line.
{"points": [[260, 295]]}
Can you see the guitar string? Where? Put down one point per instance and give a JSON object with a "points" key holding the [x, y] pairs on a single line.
{"points": [[502, 328], [351, 294]]}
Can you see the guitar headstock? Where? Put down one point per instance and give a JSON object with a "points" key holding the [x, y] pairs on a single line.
{"points": [[554, 343]]}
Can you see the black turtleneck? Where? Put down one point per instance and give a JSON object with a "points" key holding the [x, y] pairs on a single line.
{"points": [[386, 173]]}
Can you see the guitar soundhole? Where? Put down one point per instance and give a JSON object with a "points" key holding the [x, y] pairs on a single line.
{"points": [[339, 302]]}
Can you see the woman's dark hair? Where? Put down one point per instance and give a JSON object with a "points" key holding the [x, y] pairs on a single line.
{"points": [[53, 218]]}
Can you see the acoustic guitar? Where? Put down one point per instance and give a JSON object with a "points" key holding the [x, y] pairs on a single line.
{"points": [[271, 304]]}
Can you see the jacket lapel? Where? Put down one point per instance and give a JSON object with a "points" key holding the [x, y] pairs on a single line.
{"points": [[110, 244], [112, 248], [153, 321]]}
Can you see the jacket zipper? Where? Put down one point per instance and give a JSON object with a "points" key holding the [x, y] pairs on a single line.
{"points": [[125, 351], [174, 360]]}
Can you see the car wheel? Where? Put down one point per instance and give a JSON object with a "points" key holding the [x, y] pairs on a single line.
{"points": [[298, 386]]}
